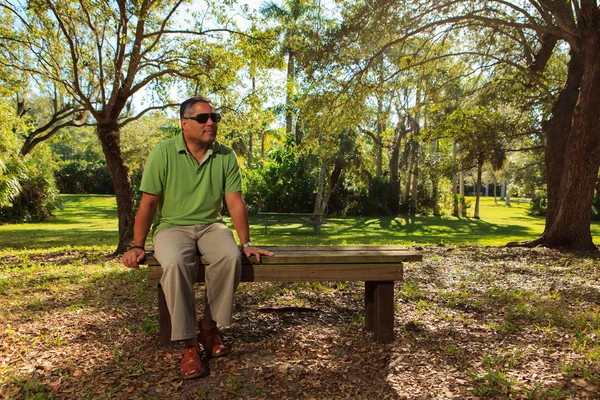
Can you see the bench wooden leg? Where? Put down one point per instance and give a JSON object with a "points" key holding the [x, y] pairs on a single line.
{"points": [[370, 305], [379, 309], [164, 318]]}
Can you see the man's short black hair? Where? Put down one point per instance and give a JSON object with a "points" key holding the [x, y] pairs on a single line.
{"points": [[189, 103]]}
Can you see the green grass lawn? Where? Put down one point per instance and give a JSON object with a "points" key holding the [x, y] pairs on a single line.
{"points": [[90, 221]]}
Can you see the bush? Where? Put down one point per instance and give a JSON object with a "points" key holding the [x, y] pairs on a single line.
{"points": [[285, 183], [81, 176], [254, 190], [377, 199], [538, 205], [37, 197], [596, 208], [463, 205], [374, 199]]}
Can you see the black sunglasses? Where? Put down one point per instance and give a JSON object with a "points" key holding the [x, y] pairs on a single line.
{"points": [[203, 118]]}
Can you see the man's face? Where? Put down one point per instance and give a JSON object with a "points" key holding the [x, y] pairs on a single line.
{"points": [[197, 132]]}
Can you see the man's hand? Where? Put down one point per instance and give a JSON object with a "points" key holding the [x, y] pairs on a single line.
{"points": [[134, 257], [255, 251]]}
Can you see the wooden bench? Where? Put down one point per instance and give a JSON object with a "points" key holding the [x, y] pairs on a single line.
{"points": [[270, 218], [378, 266]]}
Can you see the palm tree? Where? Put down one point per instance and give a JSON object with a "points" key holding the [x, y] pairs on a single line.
{"points": [[292, 18]]}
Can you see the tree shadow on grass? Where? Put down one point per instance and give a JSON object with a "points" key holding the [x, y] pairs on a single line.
{"points": [[45, 238]]}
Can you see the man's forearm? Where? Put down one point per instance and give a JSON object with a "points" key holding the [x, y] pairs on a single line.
{"points": [[239, 217], [143, 222]]}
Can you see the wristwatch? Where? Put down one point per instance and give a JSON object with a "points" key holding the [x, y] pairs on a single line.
{"points": [[247, 244]]}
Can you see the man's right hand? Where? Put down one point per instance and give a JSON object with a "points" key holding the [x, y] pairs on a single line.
{"points": [[134, 257]]}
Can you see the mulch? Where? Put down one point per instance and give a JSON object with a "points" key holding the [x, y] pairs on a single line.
{"points": [[471, 322]]}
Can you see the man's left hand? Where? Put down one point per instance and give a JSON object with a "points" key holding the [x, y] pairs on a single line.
{"points": [[255, 251]]}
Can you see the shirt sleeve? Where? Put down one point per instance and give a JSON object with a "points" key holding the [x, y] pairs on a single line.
{"points": [[153, 177], [233, 175]]}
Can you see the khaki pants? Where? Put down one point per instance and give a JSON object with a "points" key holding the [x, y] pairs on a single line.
{"points": [[176, 249]]}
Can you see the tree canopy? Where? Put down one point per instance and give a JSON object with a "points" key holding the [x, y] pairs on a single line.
{"points": [[406, 100]]}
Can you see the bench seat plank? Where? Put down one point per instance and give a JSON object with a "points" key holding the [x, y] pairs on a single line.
{"points": [[304, 272]]}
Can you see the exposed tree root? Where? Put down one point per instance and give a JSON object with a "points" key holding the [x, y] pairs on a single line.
{"points": [[527, 243]]}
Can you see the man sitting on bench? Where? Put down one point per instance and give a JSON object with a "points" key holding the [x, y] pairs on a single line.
{"points": [[184, 182]]}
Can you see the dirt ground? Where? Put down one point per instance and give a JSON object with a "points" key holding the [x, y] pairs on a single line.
{"points": [[471, 322]]}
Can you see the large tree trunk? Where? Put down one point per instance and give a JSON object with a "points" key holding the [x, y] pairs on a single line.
{"points": [[109, 136], [573, 151], [557, 130], [570, 202]]}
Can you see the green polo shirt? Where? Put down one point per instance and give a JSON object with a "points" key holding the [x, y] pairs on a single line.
{"points": [[190, 194]]}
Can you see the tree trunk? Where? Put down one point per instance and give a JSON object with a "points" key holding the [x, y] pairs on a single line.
{"points": [[478, 189], [333, 180], [557, 130], [455, 210], [109, 136], [568, 224], [394, 179], [415, 180], [503, 190], [436, 195], [250, 161], [250, 133], [408, 163], [435, 181], [461, 182], [289, 95], [319, 204], [380, 121]]}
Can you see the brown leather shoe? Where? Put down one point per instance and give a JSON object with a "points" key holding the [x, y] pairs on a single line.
{"points": [[191, 364], [212, 342]]}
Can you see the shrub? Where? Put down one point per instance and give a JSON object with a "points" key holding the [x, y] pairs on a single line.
{"points": [[374, 199], [463, 205], [538, 205], [286, 182], [254, 189], [37, 196], [81, 176], [596, 208]]}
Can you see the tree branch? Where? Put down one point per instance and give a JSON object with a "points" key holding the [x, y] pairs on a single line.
{"points": [[140, 114]]}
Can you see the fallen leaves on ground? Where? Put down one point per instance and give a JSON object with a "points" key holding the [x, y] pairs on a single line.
{"points": [[470, 322]]}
